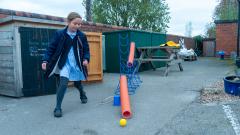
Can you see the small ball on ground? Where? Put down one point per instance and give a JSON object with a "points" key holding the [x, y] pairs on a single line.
{"points": [[123, 122]]}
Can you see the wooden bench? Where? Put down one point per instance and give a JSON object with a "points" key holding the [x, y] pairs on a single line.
{"points": [[172, 57]]}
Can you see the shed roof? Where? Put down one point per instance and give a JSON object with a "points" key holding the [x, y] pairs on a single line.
{"points": [[7, 16]]}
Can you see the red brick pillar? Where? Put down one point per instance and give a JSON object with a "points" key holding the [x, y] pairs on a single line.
{"points": [[226, 36]]}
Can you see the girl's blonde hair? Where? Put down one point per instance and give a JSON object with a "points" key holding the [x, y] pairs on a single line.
{"points": [[73, 15]]}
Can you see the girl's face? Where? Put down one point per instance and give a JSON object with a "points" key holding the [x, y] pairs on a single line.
{"points": [[74, 25]]}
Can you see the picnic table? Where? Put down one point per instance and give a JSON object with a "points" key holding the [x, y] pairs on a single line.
{"points": [[171, 57]]}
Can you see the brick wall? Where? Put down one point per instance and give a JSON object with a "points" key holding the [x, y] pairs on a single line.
{"points": [[3, 16], [189, 42], [98, 27], [91, 27], [226, 36]]}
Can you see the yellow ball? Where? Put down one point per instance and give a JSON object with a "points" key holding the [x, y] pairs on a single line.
{"points": [[123, 122]]}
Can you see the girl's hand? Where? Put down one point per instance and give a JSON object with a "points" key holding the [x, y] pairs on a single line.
{"points": [[44, 66], [85, 62]]}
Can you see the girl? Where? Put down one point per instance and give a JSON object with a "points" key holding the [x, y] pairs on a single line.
{"points": [[68, 55]]}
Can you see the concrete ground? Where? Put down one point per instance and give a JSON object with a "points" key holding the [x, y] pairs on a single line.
{"points": [[161, 106]]}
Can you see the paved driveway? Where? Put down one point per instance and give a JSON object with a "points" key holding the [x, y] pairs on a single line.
{"points": [[159, 106]]}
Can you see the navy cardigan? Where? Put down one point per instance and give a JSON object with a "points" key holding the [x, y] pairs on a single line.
{"points": [[57, 47]]}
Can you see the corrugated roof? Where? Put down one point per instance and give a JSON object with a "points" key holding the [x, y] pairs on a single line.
{"points": [[30, 15]]}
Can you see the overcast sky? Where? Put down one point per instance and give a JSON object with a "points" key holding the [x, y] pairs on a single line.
{"points": [[199, 12]]}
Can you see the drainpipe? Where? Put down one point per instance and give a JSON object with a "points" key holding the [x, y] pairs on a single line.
{"points": [[238, 34], [238, 29]]}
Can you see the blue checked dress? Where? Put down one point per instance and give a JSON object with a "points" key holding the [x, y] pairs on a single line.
{"points": [[71, 69]]}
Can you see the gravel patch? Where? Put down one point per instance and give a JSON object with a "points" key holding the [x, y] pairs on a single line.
{"points": [[216, 93]]}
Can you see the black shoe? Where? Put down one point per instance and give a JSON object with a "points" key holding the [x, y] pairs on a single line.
{"points": [[57, 112], [83, 97]]}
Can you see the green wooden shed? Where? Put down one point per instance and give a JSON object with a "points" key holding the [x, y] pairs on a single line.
{"points": [[141, 38]]}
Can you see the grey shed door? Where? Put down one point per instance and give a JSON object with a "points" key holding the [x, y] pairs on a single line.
{"points": [[210, 49], [33, 45]]}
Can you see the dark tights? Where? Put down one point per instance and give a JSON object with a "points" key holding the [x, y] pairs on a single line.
{"points": [[63, 83]]}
